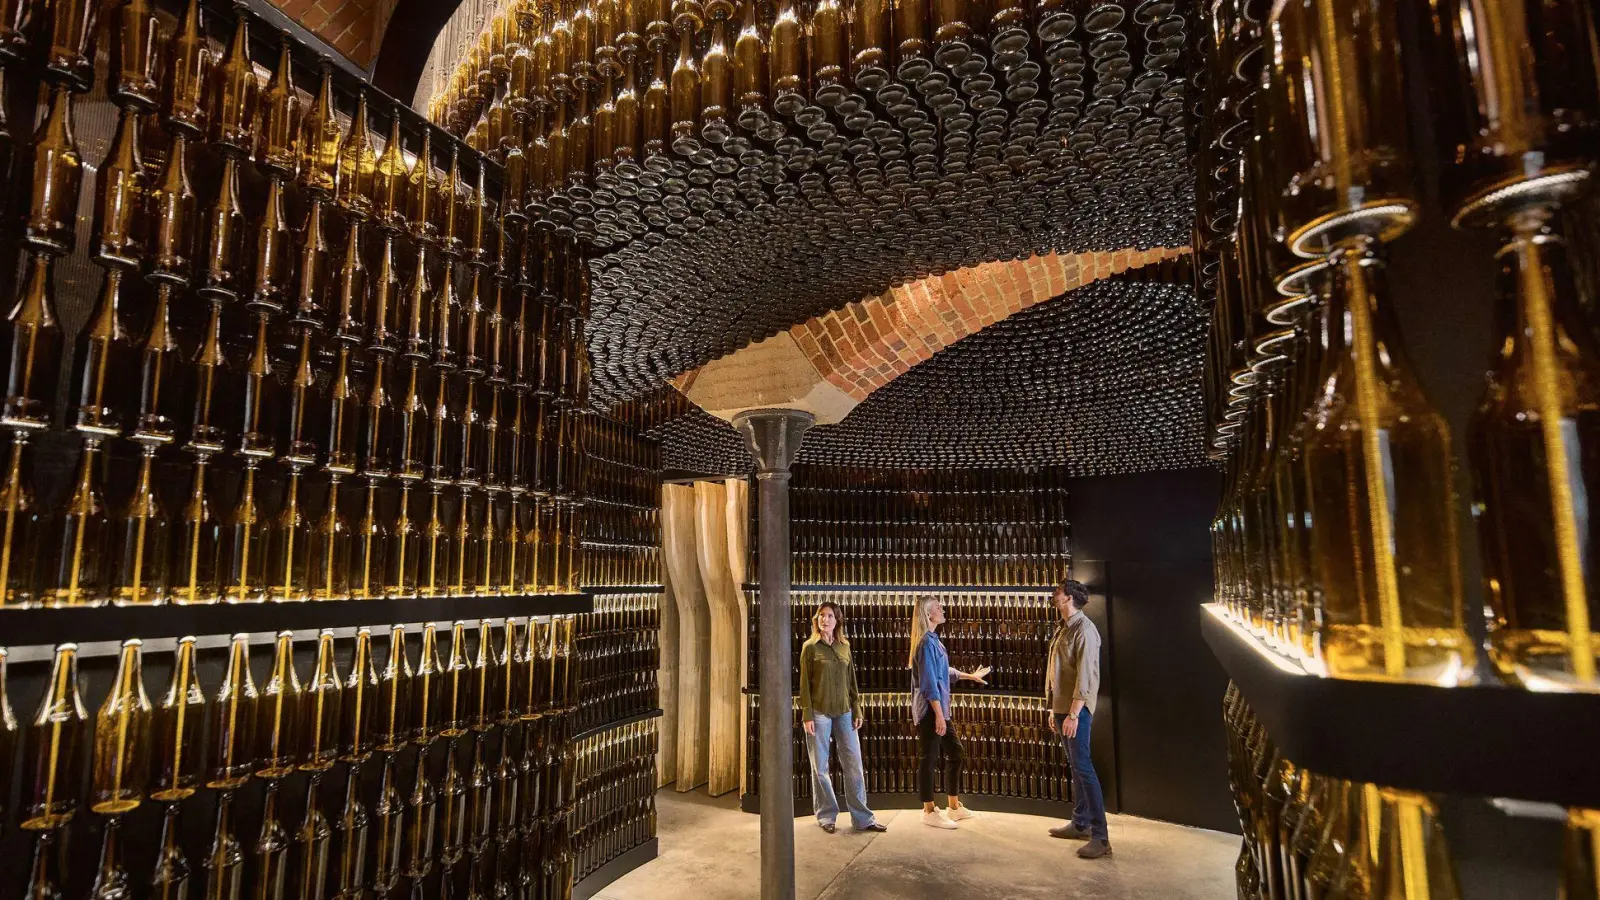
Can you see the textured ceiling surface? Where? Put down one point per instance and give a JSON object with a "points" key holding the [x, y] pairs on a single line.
{"points": [[1063, 136], [1104, 379]]}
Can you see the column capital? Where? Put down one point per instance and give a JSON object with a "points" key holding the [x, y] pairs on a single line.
{"points": [[773, 436]]}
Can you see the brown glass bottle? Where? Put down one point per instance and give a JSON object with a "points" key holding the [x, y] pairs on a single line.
{"points": [[232, 731], [282, 711], [120, 190], [233, 92], [186, 73], [121, 738], [133, 56], [51, 221], [176, 730], [277, 125]]}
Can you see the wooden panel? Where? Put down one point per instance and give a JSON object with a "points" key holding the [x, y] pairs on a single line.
{"points": [[722, 596], [694, 633], [738, 516]]}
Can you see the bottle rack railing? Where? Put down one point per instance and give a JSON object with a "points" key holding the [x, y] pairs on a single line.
{"points": [[616, 658], [1487, 740], [615, 805], [1013, 760], [48, 627]]}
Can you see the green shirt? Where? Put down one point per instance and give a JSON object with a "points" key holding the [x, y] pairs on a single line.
{"points": [[828, 679]]}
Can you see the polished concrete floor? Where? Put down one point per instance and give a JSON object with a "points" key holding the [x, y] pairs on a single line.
{"points": [[710, 851]]}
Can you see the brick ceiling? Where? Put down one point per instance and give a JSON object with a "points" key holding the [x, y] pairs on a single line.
{"points": [[353, 27]]}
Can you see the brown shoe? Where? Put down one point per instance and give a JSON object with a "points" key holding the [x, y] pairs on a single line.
{"points": [[1094, 849], [1070, 832]]}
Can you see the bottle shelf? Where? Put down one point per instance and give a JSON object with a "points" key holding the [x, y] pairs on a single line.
{"points": [[910, 588], [611, 871], [48, 627], [603, 590], [618, 723], [1488, 740], [954, 691]]}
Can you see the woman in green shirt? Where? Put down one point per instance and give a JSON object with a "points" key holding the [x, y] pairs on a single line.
{"points": [[830, 708]]}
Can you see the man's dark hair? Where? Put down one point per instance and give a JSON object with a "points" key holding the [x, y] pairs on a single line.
{"points": [[1077, 590]]}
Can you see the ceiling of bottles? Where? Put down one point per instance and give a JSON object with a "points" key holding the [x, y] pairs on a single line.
{"points": [[1102, 380], [812, 155]]}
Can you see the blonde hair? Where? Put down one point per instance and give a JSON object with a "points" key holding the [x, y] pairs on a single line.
{"points": [[921, 624], [838, 623]]}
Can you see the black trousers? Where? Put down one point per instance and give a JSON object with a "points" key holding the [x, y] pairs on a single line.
{"points": [[934, 744]]}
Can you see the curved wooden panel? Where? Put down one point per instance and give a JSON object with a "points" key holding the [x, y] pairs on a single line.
{"points": [[722, 595], [694, 633]]}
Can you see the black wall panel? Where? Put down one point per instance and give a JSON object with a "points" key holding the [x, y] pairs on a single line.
{"points": [[1148, 536]]}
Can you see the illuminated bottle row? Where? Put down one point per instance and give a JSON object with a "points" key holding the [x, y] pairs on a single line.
{"points": [[616, 790], [1336, 539], [616, 658], [338, 374], [911, 527], [1010, 749], [1008, 631], [469, 738]]}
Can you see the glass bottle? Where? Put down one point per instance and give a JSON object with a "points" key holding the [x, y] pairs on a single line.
{"points": [[36, 339], [187, 68], [1385, 542], [320, 138], [70, 55], [394, 696], [145, 541], [319, 729], [133, 56], [234, 91], [282, 705], [83, 536], [119, 197], [111, 873], [53, 757], [232, 731], [389, 813], [391, 179], [170, 879], [270, 870], [224, 863], [177, 724], [402, 558], [172, 216], [121, 738], [351, 836], [51, 222], [358, 164], [277, 132]]}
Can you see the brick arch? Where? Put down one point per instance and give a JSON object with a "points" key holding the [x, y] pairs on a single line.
{"points": [[865, 345], [353, 27]]}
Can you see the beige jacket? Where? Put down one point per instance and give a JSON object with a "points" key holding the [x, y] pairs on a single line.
{"points": [[1073, 672]]}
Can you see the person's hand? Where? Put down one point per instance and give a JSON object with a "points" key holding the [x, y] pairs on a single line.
{"points": [[859, 722], [938, 724], [1069, 727], [980, 673], [810, 727]]}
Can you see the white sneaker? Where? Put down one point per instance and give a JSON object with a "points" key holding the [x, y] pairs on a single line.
{"points": [[937, 819], [960, 813]]}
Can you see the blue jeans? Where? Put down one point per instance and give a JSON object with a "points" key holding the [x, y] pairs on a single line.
{"points": [[823, 800], [1089, 802]]}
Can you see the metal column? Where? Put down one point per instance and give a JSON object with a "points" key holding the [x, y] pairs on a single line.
{"points": [[774, 437]]}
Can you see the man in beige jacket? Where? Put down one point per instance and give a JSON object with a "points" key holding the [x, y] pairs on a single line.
{"points": [[1072, 684]]}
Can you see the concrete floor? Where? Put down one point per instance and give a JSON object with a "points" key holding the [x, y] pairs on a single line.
{"points": [[709, 851]]}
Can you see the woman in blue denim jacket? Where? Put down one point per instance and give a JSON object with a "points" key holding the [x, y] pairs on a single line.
{"points": [[930, 709]]}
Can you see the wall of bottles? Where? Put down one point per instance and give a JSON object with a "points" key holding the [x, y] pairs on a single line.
{"points": [[1336, 542], [1010, 750], [433, 764], [622, 508], [616, 791], [617, 658], [1009, 631], [928, 527], [317, 366]]}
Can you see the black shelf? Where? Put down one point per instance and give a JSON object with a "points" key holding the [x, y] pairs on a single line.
{"points": [[909, 588], [1490, 740], [611, 871], [617, 723], [751, 803], [624, 589], [48, 627], [992, 692]]}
